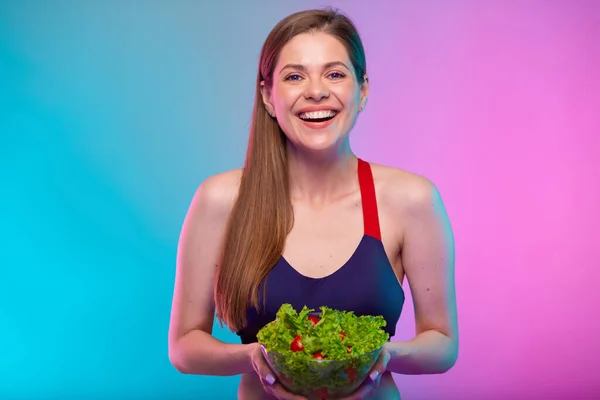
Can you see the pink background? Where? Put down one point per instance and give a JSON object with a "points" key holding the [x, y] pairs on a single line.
{"points": [[498, 103]]}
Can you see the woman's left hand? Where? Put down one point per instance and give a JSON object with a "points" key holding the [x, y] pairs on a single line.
{"points": [[372, 382]]}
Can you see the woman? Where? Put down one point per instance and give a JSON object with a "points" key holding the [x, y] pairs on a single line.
{"points": [[322, 226]]}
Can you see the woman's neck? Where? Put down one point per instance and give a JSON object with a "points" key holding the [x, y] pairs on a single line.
{"points": [[320, 178]]}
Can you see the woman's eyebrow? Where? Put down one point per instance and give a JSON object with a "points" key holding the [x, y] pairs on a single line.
{"points": [[301, 67]]}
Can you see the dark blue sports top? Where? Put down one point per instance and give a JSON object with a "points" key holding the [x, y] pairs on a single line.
{"points": [[365, 284]]}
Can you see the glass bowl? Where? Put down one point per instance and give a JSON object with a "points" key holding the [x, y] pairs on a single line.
{"points": [[320, 379]]}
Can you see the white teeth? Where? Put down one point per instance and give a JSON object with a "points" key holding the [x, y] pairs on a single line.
{"points": [[317, 114]]}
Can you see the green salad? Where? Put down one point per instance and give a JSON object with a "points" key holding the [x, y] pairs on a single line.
{"points": [[294, 340], [333, 334]]}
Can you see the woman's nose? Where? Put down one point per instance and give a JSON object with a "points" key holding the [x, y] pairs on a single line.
{"points": [[316, 90]]}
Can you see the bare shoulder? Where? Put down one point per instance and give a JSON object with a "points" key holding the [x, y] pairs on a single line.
{"points": [[403, 190], [217, 194], [208, 212]]}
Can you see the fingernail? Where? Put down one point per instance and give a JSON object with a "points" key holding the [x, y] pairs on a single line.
{"points": [[373, 375], [270, 379]]}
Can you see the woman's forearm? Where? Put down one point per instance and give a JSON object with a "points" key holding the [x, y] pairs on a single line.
{"points": [[199, 353], [430, 352]]}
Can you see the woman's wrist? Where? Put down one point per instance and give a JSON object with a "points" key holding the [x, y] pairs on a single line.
{"points": [[430, 352], [251, 349]]}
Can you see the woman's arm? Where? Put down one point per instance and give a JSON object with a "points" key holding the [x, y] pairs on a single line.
{"points": [[428, 261], [199, 353], [192, 348]]}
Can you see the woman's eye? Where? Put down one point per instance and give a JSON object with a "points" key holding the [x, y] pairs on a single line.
{"points": [[336, 75], [293, 77]]}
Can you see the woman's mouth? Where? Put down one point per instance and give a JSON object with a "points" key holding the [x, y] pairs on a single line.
{"points": [[318, 119]]}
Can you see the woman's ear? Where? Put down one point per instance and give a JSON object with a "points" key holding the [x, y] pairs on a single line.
{"points": [[364, 92], [266, 98]]}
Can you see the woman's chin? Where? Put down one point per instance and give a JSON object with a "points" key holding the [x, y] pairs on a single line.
{"points": [[317, 140], [317, 148]]}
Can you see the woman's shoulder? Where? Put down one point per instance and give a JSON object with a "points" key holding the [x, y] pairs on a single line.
{"points": [[401, 188], [217, 193]]}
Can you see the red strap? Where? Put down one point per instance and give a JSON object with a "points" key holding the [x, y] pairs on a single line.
{"points": [[369, 199]]}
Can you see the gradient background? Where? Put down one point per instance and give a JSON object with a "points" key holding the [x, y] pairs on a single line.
{"points": [[112, 113]]}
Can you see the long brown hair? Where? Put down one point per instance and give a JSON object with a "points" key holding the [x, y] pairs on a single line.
{"points": [[262, 216]]}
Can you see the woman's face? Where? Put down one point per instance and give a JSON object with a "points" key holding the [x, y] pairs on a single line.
{"points": [[315, 94]]}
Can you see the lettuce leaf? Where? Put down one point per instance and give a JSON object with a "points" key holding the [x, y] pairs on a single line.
{"points": [[361, 334]]}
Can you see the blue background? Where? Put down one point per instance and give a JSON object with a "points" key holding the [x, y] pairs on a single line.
{"points": [[111, 114]]}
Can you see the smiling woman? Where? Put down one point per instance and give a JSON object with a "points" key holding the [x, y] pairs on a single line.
{"points": [[309, 217], [316, 92]]}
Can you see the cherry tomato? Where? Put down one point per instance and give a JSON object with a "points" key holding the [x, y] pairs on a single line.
{"points": [[313, 320], [296, 344], [286, 379], [352, 374], [321, 394], [318, 356]]}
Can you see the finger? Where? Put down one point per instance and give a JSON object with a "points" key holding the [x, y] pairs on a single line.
{"points": [[368, 387], [268, 380], [264, 373], [262, 368], [380, 366]]}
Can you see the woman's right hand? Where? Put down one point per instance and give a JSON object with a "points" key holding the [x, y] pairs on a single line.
{"points": [[267, 377]]}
